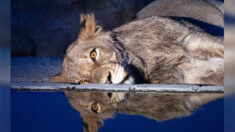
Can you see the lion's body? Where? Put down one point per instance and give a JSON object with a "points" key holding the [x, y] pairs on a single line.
{"points": [[162, 49]]}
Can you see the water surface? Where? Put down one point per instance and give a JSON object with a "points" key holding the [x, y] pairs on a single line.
{"points": [[51, 112]]}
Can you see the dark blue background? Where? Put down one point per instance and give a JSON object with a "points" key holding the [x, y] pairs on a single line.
{"points": [[50, 112]]}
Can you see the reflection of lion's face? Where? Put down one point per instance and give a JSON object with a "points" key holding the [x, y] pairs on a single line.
{"points": [[93, 107]]}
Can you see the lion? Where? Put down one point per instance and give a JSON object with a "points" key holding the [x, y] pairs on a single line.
{"points": [[150, 50]]}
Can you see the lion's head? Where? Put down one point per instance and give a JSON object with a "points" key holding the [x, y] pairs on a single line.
{"points": [[91, 58]]}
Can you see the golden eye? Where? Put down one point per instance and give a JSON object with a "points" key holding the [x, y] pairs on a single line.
{"points": [[93, 54], [82, 81], [94, 107]]}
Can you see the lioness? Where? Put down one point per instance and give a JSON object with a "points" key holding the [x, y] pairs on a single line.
{"points": [[149, 50]]}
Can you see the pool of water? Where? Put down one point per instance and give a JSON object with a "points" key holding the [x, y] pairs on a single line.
{"points": [[51, 112]]}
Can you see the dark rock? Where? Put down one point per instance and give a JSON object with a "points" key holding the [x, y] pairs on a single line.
{"points": [[208, 11]]}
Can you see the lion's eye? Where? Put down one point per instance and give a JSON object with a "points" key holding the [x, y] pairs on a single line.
{"points": [[94, 107], [82, 81], [93, 54]]}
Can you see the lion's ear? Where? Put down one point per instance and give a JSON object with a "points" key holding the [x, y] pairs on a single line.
{"points": [[58, 78], [88, 27]]}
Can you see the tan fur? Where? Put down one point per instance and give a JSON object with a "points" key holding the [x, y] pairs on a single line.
{"points": [[206, 48], [155, 106]]}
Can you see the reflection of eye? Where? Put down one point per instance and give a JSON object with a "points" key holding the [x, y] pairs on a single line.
{"points": [[94, 107], [93, 54], [82, 81]]}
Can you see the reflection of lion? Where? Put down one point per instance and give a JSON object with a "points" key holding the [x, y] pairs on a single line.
{"points": [[150, 50], [96, 107]]}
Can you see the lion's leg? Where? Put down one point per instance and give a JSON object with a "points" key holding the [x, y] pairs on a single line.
{"points": [[204, 46], [203, 71]]}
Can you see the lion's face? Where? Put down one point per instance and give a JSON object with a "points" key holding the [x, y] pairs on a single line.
{"points": [[91, 58], [92, 62]]}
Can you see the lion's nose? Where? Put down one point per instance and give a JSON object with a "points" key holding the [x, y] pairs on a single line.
{"points": [[109, 79]]}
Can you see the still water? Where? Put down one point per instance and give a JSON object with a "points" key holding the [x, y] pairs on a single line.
{"points": [[51, 112]]}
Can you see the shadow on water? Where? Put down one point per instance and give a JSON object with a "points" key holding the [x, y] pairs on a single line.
{"points": [[50, 111]]}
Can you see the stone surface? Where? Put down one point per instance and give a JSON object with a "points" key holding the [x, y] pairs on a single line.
{"points": [[160, 88]]}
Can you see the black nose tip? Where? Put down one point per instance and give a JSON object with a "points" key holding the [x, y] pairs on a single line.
{"points": [[109, 78]]}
